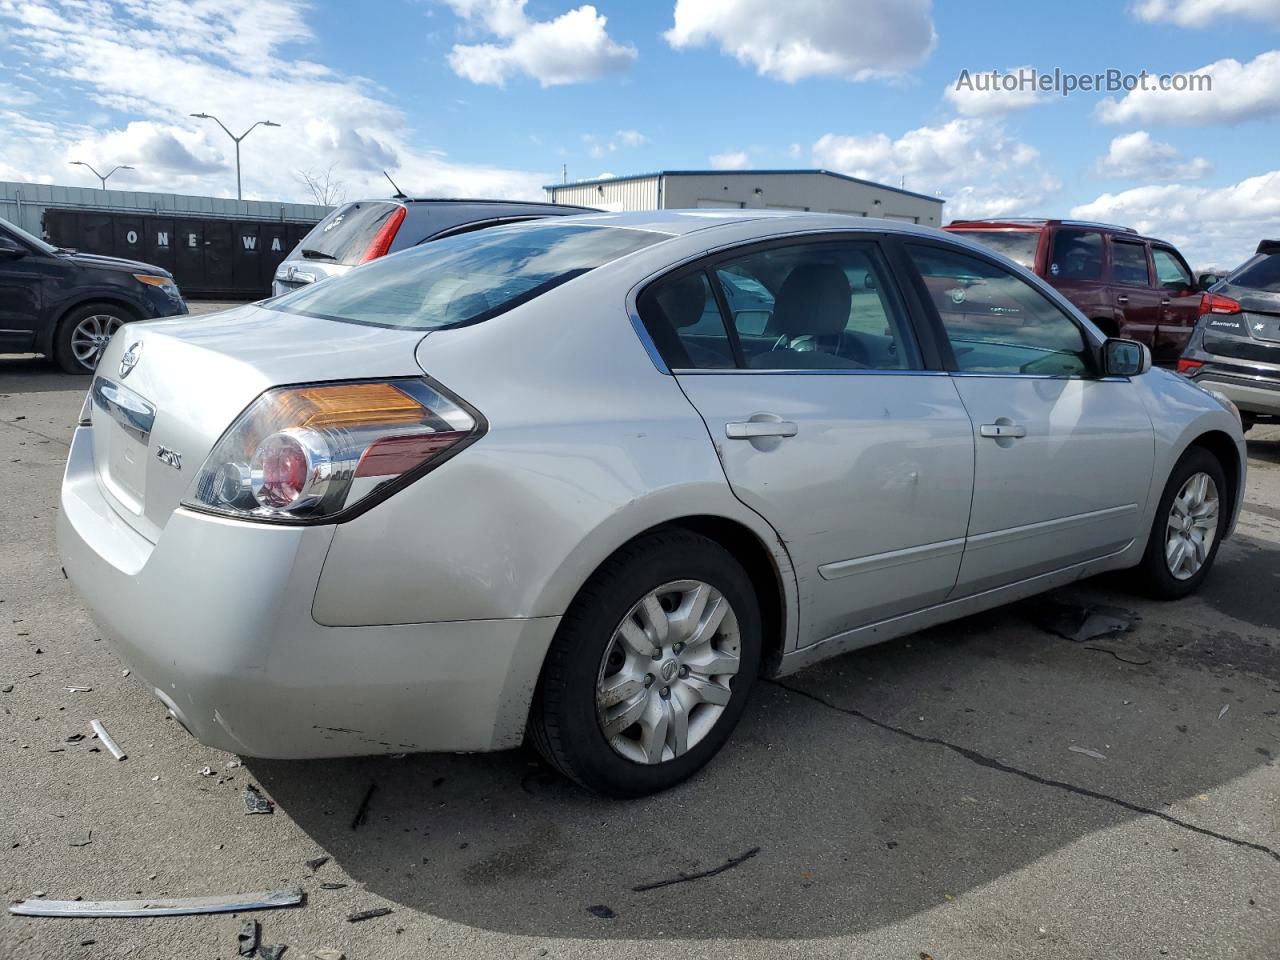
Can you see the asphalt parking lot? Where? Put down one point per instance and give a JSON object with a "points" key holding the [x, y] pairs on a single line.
{"points": [[989, 788]]}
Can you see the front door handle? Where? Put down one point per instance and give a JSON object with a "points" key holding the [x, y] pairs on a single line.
{"points": [[1122, 299], [754, 429], [1000, 431]]}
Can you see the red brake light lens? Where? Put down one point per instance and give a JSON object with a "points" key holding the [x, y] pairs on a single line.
{"points": [[381, 241], [1189, 366], [1213, 303]]}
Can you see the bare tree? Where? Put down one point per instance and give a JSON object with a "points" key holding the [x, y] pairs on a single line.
{"points": [[325, 189]]}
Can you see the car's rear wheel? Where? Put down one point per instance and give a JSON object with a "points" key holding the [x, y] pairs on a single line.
{"points": [[1188, 527], [651, 667], [85, 332]]}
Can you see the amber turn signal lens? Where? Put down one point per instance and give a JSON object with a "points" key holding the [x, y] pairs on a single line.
{"points": [[349, 405]]}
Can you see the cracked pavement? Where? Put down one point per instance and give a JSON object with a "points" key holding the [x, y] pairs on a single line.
{"points": [[983, 789]]}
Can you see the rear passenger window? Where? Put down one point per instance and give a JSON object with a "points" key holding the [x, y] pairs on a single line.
{"points": [[997, 322], [816, 307], [684, 322], [1129, 263], [1076, 255]]}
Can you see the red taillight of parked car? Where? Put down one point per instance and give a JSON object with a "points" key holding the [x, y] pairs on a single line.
{"points": [[1188, 366], [1213, 303], [381, 241]]}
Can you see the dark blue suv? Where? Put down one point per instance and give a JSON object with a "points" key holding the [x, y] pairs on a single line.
{"points": [[66, 305]]}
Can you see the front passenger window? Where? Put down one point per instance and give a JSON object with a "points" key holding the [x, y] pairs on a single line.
{"points": [[997, 322]]}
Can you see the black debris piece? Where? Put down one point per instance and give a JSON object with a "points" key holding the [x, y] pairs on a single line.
{"points": [[315, 863], [255, 802], [601, 911], [367, 914], [87, 943], [82, 839], [274, 952], [247, 938], [75, 738], [332, 885], [1079, 622], [362, 812], [701, 875], [7, 688]]}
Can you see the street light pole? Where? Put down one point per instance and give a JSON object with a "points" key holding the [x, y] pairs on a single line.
{"points": [[121, 166], [263, 123]]}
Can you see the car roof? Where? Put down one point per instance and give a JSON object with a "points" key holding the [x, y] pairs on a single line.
{"points": [[768, 222]]}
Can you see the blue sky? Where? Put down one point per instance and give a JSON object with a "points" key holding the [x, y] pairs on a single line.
{"points": [[490, 97]]}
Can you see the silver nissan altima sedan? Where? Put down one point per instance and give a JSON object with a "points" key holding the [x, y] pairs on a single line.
{"points": [[586, 481]]}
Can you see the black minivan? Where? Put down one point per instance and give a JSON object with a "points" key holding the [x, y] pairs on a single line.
{"points": [[66, 305]]}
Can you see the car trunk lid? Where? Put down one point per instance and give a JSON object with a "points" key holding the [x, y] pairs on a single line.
{"points": [[166, 391]]}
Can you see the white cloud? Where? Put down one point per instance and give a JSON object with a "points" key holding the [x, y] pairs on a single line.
{"points": [[1238, 92], [1137, 156], [974, 163], [572, 48], [156, 61], [1214, 227], [733, 160], [621, 139], [981, 95], [855, 39], [1201, 13]]}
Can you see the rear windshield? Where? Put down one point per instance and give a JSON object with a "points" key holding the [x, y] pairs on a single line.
{"points": [[1261, 273], [344, 235], [1018, 245], [464, 279]]}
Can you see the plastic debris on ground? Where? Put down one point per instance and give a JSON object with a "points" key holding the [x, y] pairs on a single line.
{"points": [[255, 802]]}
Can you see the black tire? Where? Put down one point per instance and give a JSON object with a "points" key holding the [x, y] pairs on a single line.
{"points": [[64, 350], [563, 724], [1154, 572]]}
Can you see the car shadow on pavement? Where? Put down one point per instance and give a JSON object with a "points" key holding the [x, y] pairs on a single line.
{"points": [[874, 786]]}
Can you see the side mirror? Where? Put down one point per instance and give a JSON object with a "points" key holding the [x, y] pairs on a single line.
{"points": [[1207, 280], [1125, 358], [11, 249]]}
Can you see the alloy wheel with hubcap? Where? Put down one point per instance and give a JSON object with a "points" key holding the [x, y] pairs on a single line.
{"points": [[90, 337], [1192, 526], [665, 678]]}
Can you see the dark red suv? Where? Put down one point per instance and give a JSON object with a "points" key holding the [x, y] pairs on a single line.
{"points": [[1129, 285]]}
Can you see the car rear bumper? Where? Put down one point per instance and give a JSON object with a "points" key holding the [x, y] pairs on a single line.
{"points": [[215, 618], [1253, 389]]}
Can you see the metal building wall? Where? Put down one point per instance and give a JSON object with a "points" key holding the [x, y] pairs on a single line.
{"points": [[640, 193], [798, 191]]}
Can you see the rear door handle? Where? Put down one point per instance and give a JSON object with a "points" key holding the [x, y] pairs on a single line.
{"points": [[1164, 302], [999, 431], [1122, 299], [752, 429]]}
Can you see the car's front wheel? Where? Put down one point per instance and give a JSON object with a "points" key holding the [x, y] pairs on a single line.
{"points": [[85, 332], [1188, 527], [651, 667]]}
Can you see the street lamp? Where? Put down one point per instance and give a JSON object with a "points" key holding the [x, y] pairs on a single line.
{"points": [[122, 166], [263, 123]]}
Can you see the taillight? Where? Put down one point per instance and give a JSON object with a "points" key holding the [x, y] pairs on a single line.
{"points": [[381, 241], [1214, 303], [313, 453], [1188, 366]]}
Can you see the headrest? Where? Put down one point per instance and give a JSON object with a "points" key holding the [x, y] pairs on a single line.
{"points": [[814, 300], [684, 300]]}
